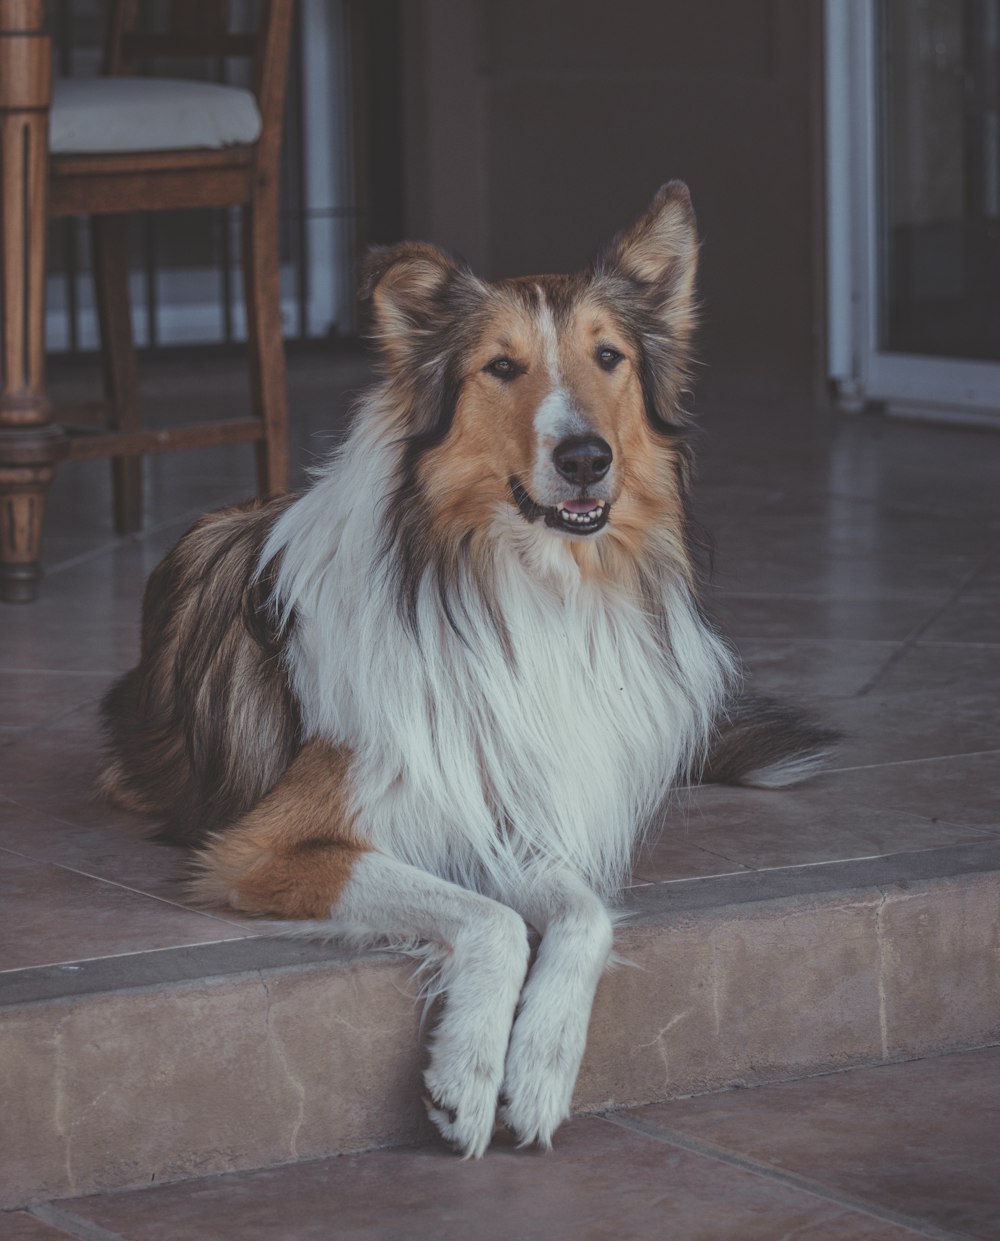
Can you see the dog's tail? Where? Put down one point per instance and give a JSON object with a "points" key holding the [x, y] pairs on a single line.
{"points": [[766, 744]]}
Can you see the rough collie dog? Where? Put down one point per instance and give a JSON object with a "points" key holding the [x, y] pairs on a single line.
{"points": [[435, 699]]}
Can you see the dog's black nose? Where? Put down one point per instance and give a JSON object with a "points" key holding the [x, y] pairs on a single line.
{"points": [[582, 459]]}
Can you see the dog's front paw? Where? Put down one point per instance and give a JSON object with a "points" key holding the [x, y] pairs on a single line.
{"points": [[464, 1111], [484, 977], [537, 1089]]}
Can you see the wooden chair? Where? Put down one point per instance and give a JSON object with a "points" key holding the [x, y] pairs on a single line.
{"points": [[121, 144]]}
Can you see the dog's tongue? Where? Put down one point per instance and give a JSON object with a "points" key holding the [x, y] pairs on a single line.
{"points": [[580, 506]]}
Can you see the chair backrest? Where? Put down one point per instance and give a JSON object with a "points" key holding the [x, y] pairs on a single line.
{"points": [[202, 28]]}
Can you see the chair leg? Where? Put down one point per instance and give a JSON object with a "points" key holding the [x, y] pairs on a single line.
{"points": [[262, 298], [29, 443], [109, 240]]}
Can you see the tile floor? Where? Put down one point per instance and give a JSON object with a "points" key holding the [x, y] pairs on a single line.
{"points": [[893, 1153], [855, 564]]}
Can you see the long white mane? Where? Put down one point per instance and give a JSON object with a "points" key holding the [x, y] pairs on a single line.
{"points": [[478, 754]]}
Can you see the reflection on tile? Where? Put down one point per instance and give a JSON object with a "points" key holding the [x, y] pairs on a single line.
{"points": [[87, 618], [968, 619], [890, 728], [780, 617], [812, 572], [49, 811], [675, 851], [55, 770], [43, 639], [916, 1138], [813, 823], [31, 698], [718, 506], [986, 583], [49, 915], [963, 679], [964, 789], [798, 668], [836, 527], [600, 1183], [113, 847], [104, 843]]}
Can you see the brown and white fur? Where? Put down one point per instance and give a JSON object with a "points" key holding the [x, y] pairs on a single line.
{"points": [[436, 698]]}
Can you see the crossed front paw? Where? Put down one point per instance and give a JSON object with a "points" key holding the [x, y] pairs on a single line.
{"points": [[537, 1096], [464, 1112], [532, 1105]]}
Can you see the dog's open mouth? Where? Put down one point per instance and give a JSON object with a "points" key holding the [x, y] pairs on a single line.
{"points": [[584, 516]]}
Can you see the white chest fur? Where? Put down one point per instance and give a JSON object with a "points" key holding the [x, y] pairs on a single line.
{"points": [[477, 756]]}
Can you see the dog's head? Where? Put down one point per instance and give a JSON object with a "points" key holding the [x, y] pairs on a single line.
{"points": [[549, 402]]}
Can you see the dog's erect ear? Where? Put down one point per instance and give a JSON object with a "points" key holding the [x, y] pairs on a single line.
{"points": [[415, 290], [660, 254], [656, 261], [663, 245]]}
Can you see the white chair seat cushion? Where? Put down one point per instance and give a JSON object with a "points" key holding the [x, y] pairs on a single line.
{"points": [[115, 115]]}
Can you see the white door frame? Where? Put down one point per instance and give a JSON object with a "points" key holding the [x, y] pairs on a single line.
{"points": [[940, 389]]}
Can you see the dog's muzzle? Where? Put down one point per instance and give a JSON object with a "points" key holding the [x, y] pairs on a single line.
{"points": [[584, 516]]}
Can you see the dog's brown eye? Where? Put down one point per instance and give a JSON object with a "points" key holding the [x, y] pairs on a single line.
{"points": [[502, 368], [608, 358]]}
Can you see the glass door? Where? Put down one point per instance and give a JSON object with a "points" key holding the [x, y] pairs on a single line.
{"points": [[913, 164]]}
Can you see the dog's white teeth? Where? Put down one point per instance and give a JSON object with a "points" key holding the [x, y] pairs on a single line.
{"points": [[579, 518], [571, 517]]}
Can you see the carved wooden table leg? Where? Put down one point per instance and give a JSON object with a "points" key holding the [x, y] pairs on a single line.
{"points": [[29, 443]]}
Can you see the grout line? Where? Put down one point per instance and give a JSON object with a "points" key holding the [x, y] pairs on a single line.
{"points": [[983, 835], [904, 762], [115, 883], [74, 963], [807, 640], [92, 553], [72, 1225], [51, 721], [824, 596], [137, 538], [723, 857], [720, 874], [703, 817], [984, 564], [790, 1180], [956, 643], [913, 638], [56, 672]]}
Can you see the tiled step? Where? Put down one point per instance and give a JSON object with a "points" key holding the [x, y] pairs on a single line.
{"points": [[900, 1152], [249, 1053]]}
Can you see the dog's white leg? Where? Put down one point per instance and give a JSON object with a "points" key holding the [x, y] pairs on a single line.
{"points": [[550, 1031], [483, 964]]}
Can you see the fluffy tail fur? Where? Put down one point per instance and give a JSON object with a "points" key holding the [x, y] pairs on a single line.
{"points": [[766, 744]]}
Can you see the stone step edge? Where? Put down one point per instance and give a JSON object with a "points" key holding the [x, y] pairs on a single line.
{"points": [[123, 1088], [644, 905]]}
